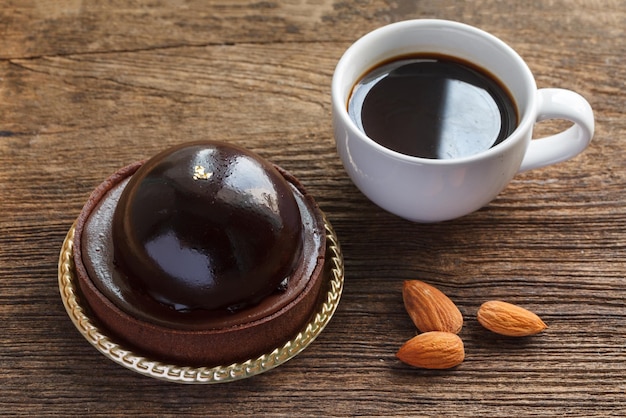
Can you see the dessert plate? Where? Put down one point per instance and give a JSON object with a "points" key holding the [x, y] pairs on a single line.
{"points": [[124, 356]]}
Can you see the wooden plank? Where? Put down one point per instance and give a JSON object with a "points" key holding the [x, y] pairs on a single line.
{"points": [[87, 87]]}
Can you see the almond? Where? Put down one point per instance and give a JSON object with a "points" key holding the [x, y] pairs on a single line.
{"points": [[433, 350], [508, 319], [430, 309]]}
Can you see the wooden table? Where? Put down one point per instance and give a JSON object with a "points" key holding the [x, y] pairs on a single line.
{"points": [[87, 87]]}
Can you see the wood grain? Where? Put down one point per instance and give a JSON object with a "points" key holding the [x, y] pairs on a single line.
{"points": [[87, 87]]}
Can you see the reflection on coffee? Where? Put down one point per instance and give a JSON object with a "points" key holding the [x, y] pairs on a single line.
{"points": [[432, 106]]}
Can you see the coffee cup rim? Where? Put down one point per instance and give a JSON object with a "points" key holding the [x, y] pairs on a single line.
{"points": [[525, 115]]}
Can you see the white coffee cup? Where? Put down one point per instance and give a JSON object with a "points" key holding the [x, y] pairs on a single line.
{"points": [[432, 190]]}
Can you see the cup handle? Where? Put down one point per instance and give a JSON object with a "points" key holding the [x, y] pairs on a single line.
{"points": [[560, 104]]}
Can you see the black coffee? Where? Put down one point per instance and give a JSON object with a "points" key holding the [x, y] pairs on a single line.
{"points": [[432, 106]]}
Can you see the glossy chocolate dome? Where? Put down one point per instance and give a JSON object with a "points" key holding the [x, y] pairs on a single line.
{"points": [[208, 226]]}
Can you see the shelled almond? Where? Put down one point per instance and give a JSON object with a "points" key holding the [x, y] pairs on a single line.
{"points": [[433, 350], [430, 309], [508, 319]]}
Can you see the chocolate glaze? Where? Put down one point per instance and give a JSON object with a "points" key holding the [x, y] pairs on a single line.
{"points": [[207, 226], [195, 336]]}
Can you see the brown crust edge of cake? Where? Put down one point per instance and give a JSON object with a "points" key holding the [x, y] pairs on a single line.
{"points": [[209, 347]]}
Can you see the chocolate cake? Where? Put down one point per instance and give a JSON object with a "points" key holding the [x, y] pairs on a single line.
{"points": [[206, 254]]}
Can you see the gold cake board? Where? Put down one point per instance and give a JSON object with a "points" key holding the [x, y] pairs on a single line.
{"points": [[80, 316]]}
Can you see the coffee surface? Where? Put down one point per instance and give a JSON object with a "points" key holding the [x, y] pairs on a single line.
{"points": [[432, 107]]}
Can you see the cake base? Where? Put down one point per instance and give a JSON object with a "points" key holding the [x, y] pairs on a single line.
{"points": [[87, 325]]}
